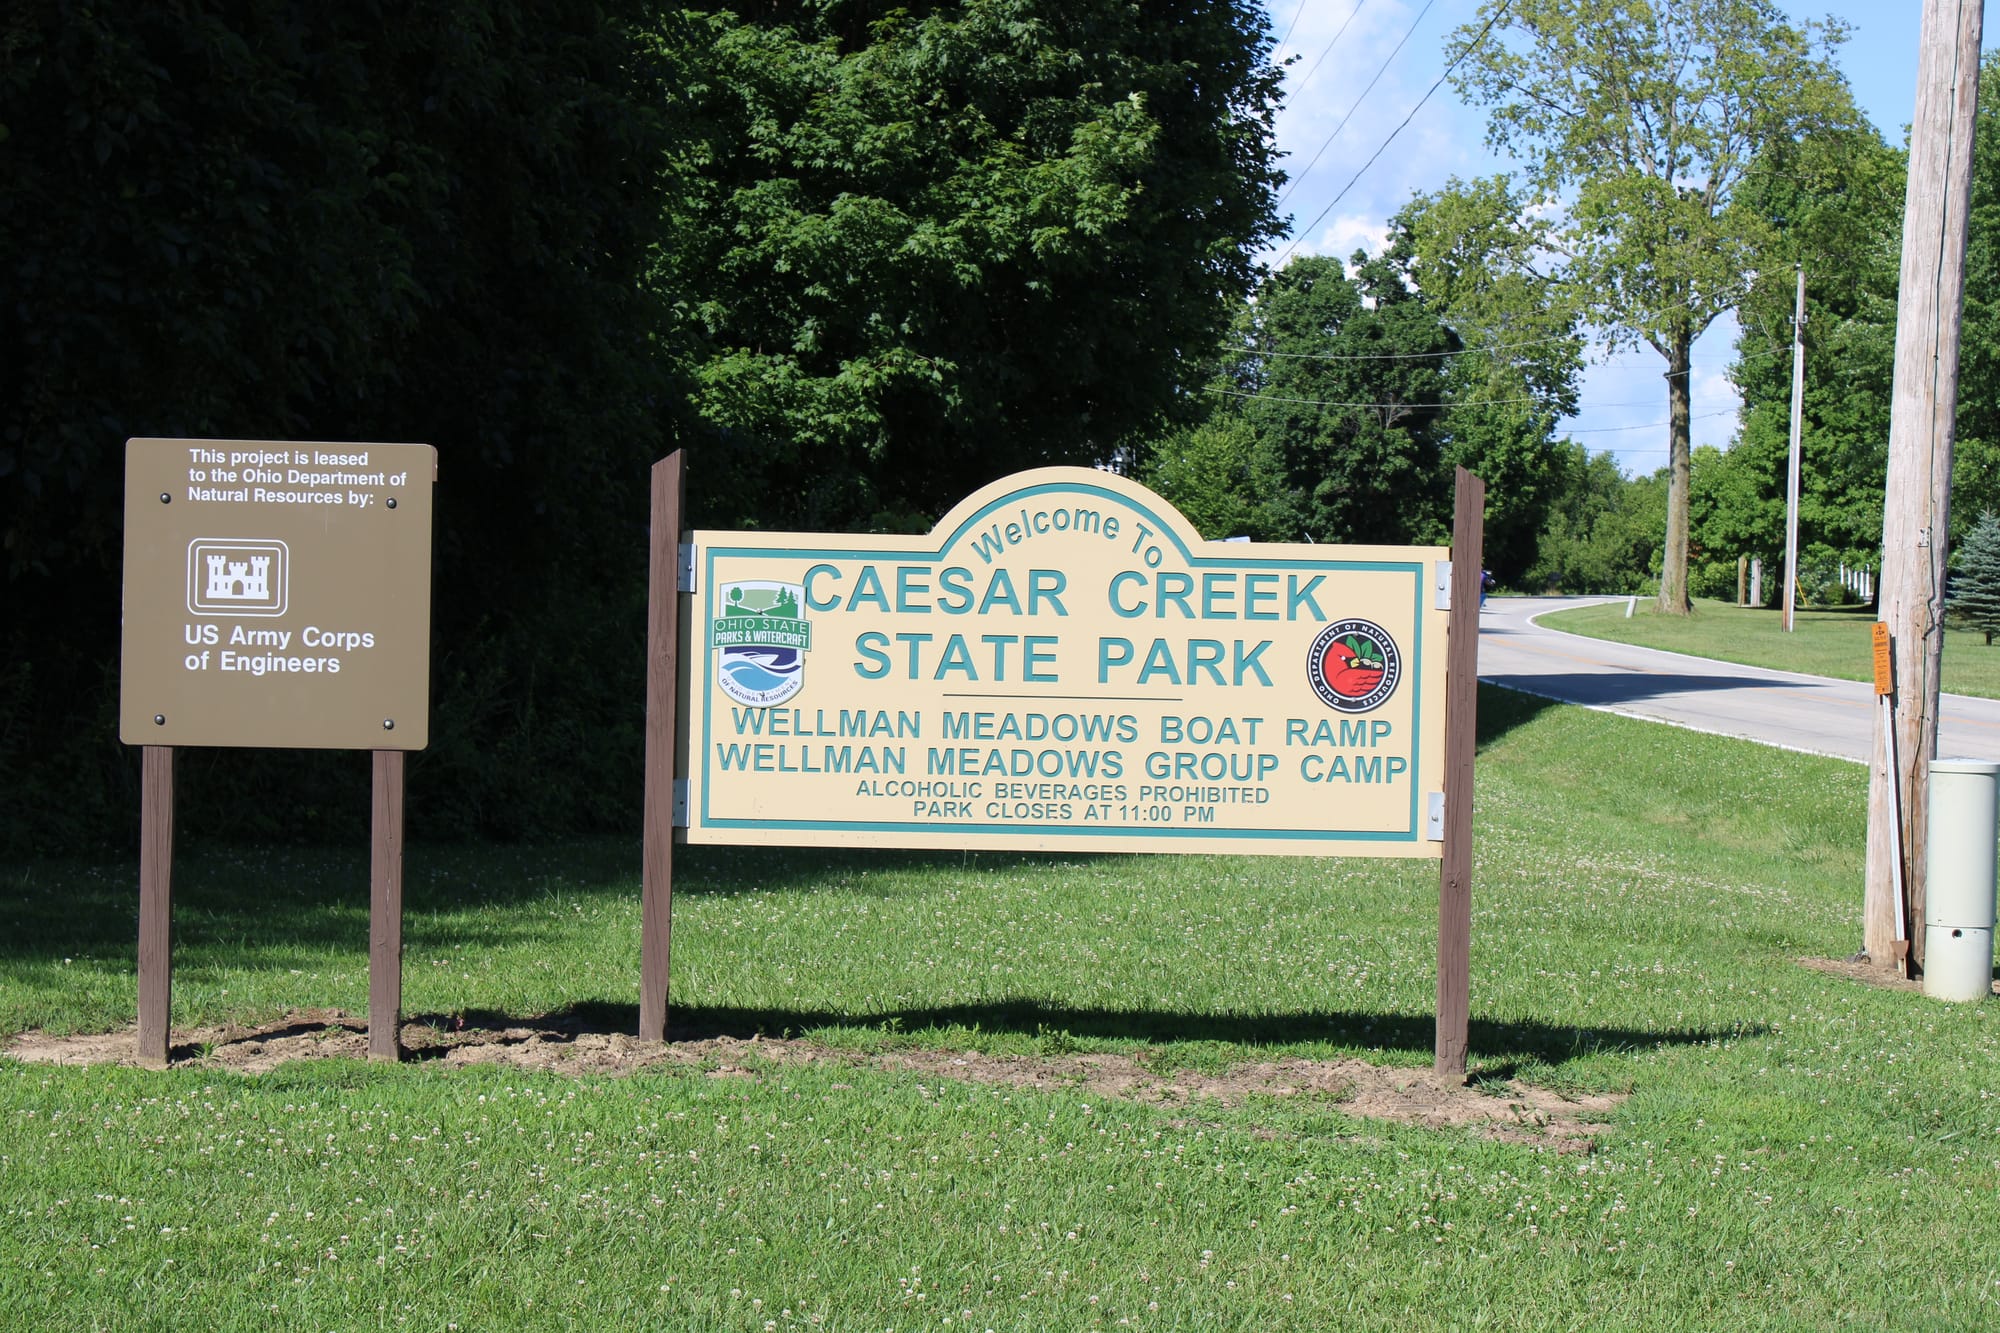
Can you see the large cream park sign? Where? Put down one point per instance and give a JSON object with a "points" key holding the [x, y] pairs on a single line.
{"points": [[1063, 662]]}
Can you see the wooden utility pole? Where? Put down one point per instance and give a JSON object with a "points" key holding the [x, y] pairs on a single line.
{"points": [[1916, 503], [1792, 473]]}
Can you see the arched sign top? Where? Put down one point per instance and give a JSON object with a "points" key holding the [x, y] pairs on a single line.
{"points": [[1043, 493], [1063, 662]]}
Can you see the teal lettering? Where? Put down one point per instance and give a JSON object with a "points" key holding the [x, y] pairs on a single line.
{"points": [[1119, 608], [813, 599], [870, 646], [868, 588], [1000, 592], [1297, 596], [955, 591], [1253, 594]]}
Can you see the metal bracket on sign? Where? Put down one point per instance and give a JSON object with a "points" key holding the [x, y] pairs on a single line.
{"points": [[686, 574], [1434, 823], [1442, 591], [680, 802]]}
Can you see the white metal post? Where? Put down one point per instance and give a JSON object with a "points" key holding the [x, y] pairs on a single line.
{"points": [[1792, 472]]}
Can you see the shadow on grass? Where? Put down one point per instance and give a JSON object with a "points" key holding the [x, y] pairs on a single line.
{"points": [[1501, 710], [275, 902], [1511, 1043]]}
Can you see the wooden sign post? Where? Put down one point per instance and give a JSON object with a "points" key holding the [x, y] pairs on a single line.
{"points": [[1461, 726], [663, 661], [156, 892], [277, 594]]}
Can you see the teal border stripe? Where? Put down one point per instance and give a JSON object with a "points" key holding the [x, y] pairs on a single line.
{"points": [[1066, 830], [1164, 532]]}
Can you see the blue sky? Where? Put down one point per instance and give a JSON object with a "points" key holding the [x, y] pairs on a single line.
{"points": [[1342, 45]]}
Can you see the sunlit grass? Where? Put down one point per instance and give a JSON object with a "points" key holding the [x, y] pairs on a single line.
{"points": [[1797, 1151], [1821, 643]]}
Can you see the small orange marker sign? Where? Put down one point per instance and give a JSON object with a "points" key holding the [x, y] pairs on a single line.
{"points": [[1880, 633]]}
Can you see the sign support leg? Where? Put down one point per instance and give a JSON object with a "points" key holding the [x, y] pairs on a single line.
{"points": [[1461, 721], [156, 893], [656, 904], [385, 910]]}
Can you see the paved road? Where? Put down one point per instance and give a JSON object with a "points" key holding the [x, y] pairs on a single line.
{"points": [[1782, 708]]}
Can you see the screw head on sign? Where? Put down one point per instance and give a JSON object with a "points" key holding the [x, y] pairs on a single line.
{"points": [[392, 502], [165, 498], [159, 719], [388, 724]]}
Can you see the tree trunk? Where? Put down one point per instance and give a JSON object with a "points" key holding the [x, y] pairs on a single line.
{"points": [[1674, 560]]}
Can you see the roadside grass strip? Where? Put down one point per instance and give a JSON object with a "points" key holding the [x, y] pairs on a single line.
{"points": [[1822, 643], [1772, 1146]]}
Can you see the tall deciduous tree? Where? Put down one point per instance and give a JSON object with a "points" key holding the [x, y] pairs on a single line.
{"points": [[938, 242], [1641, 119]]}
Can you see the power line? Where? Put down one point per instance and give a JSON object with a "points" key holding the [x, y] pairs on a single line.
{"points": [[1306, 170], [1469, 402], [1483, 402], [1352, 15], [1407, 356], [1296, 15], [1470, 47], [1650, 425], [1746, 358]]}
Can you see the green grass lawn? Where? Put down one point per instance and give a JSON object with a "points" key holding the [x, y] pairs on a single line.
{"points": [[1822, 643], [1797, 1150]]}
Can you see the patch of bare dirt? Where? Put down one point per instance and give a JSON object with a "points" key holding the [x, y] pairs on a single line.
{"points": [[1863, 970], [1510, 1111]]}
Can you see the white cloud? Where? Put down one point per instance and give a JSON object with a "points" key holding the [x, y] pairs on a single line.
{"points": [[1343, 235]]}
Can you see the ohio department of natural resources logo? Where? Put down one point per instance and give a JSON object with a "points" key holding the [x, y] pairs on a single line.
{"points": [[760, 641], [1354, 665]]}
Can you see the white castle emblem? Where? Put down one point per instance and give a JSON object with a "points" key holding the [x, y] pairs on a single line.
{"points": [[238, 576], [238, 581]]}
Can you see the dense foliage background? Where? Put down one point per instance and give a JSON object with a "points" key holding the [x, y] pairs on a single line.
{"points": [[856, 258]]}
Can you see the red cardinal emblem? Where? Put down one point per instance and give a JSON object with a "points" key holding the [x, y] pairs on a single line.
{"points": [[1354, 665]]}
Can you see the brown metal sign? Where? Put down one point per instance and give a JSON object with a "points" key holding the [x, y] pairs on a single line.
{"points": [[277, 593]]}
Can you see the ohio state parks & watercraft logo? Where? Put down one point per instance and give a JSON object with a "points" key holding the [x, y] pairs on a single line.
{"points": [[760, 640], [1354, 666]]}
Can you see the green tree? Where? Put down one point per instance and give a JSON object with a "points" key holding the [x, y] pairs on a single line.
{"points": [[936, 243], [1215, 474], [1975, 476], [1836, 199], [1343, 380], [1642, 119], [1974, 598], [1603, 529], [858, 257], [1342, 402], [1477, 252]]}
